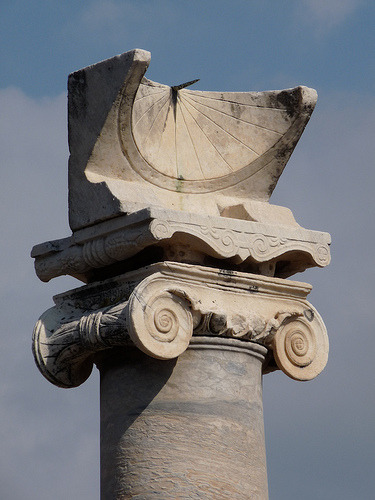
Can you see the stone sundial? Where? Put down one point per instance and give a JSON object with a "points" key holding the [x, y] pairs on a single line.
{"points": [[209, 140], [179, 168], [135, 143]]}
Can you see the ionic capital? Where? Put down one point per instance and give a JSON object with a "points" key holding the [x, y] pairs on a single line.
{"points": [[159, 308]]}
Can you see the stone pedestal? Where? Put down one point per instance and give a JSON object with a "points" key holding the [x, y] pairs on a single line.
{"points": [[190, 427]]}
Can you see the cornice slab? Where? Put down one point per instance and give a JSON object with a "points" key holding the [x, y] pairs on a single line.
{"points": [[289, 248]]}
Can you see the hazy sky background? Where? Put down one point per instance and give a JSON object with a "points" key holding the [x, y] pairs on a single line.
{"points": [[320, 434]]}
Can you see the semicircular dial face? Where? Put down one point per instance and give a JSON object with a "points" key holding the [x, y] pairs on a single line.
{"points": [[199, 138]]}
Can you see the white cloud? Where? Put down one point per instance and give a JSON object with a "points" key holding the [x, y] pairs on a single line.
{"points": [[126, 22], [324, 15]]}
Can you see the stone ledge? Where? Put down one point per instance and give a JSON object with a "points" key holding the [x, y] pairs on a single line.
{"points": [[272, 249]]}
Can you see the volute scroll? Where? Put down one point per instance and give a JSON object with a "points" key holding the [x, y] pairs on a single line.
{"points": [[301, 348], [160, 307], [160, 321]]}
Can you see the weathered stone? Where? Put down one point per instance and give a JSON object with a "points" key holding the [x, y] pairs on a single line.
{"points": [[265, 245], [135, 143], [185, 304], [160, 308], [191, 427]]}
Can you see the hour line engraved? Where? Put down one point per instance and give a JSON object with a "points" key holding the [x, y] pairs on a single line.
{"points": [[151, 94], [213, 145], [219, 126], [153, 122], [191, 139], [148, 109], [235, 118], [195, 93]]}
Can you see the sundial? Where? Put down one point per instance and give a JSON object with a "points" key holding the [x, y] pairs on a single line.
{"points": [[135, 143], [197, 141], [184, 262], [178, 170]]}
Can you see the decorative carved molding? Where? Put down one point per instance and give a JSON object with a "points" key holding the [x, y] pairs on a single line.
{"points": [[289, 334], [163, 305], [64, 341], [161, 322], [251, 326], [218, 237]]}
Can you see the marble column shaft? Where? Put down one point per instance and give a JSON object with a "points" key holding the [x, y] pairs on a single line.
{"points": [[190, 427]]}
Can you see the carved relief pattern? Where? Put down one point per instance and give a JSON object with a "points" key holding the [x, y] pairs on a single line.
{"points": [[161, 229], [164, 311], [244, 244], [160, 322], [223, 242], [300, 350], [253, 326], [96, 253], [63, 349], [322, 255]]}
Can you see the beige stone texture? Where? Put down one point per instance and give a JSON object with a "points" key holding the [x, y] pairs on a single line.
{"points": [[135, 143], [168, 173], [187, 428], [259, 246], [185, 303], [162, 308]]}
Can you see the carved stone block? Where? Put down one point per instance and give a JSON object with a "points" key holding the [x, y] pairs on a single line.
{"points": [[136, 143], [167, 173], [259, 247], [184, 258], [164, 307]]}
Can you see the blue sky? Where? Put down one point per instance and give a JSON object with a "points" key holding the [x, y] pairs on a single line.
{"points": [[324, 43], [320, 437]]}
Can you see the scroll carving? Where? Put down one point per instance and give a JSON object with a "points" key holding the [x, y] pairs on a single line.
{"points": [[300, 350], [251, 326], [168, 304], [160, 325], [63, 350], [158, 321], [256, 242]]}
